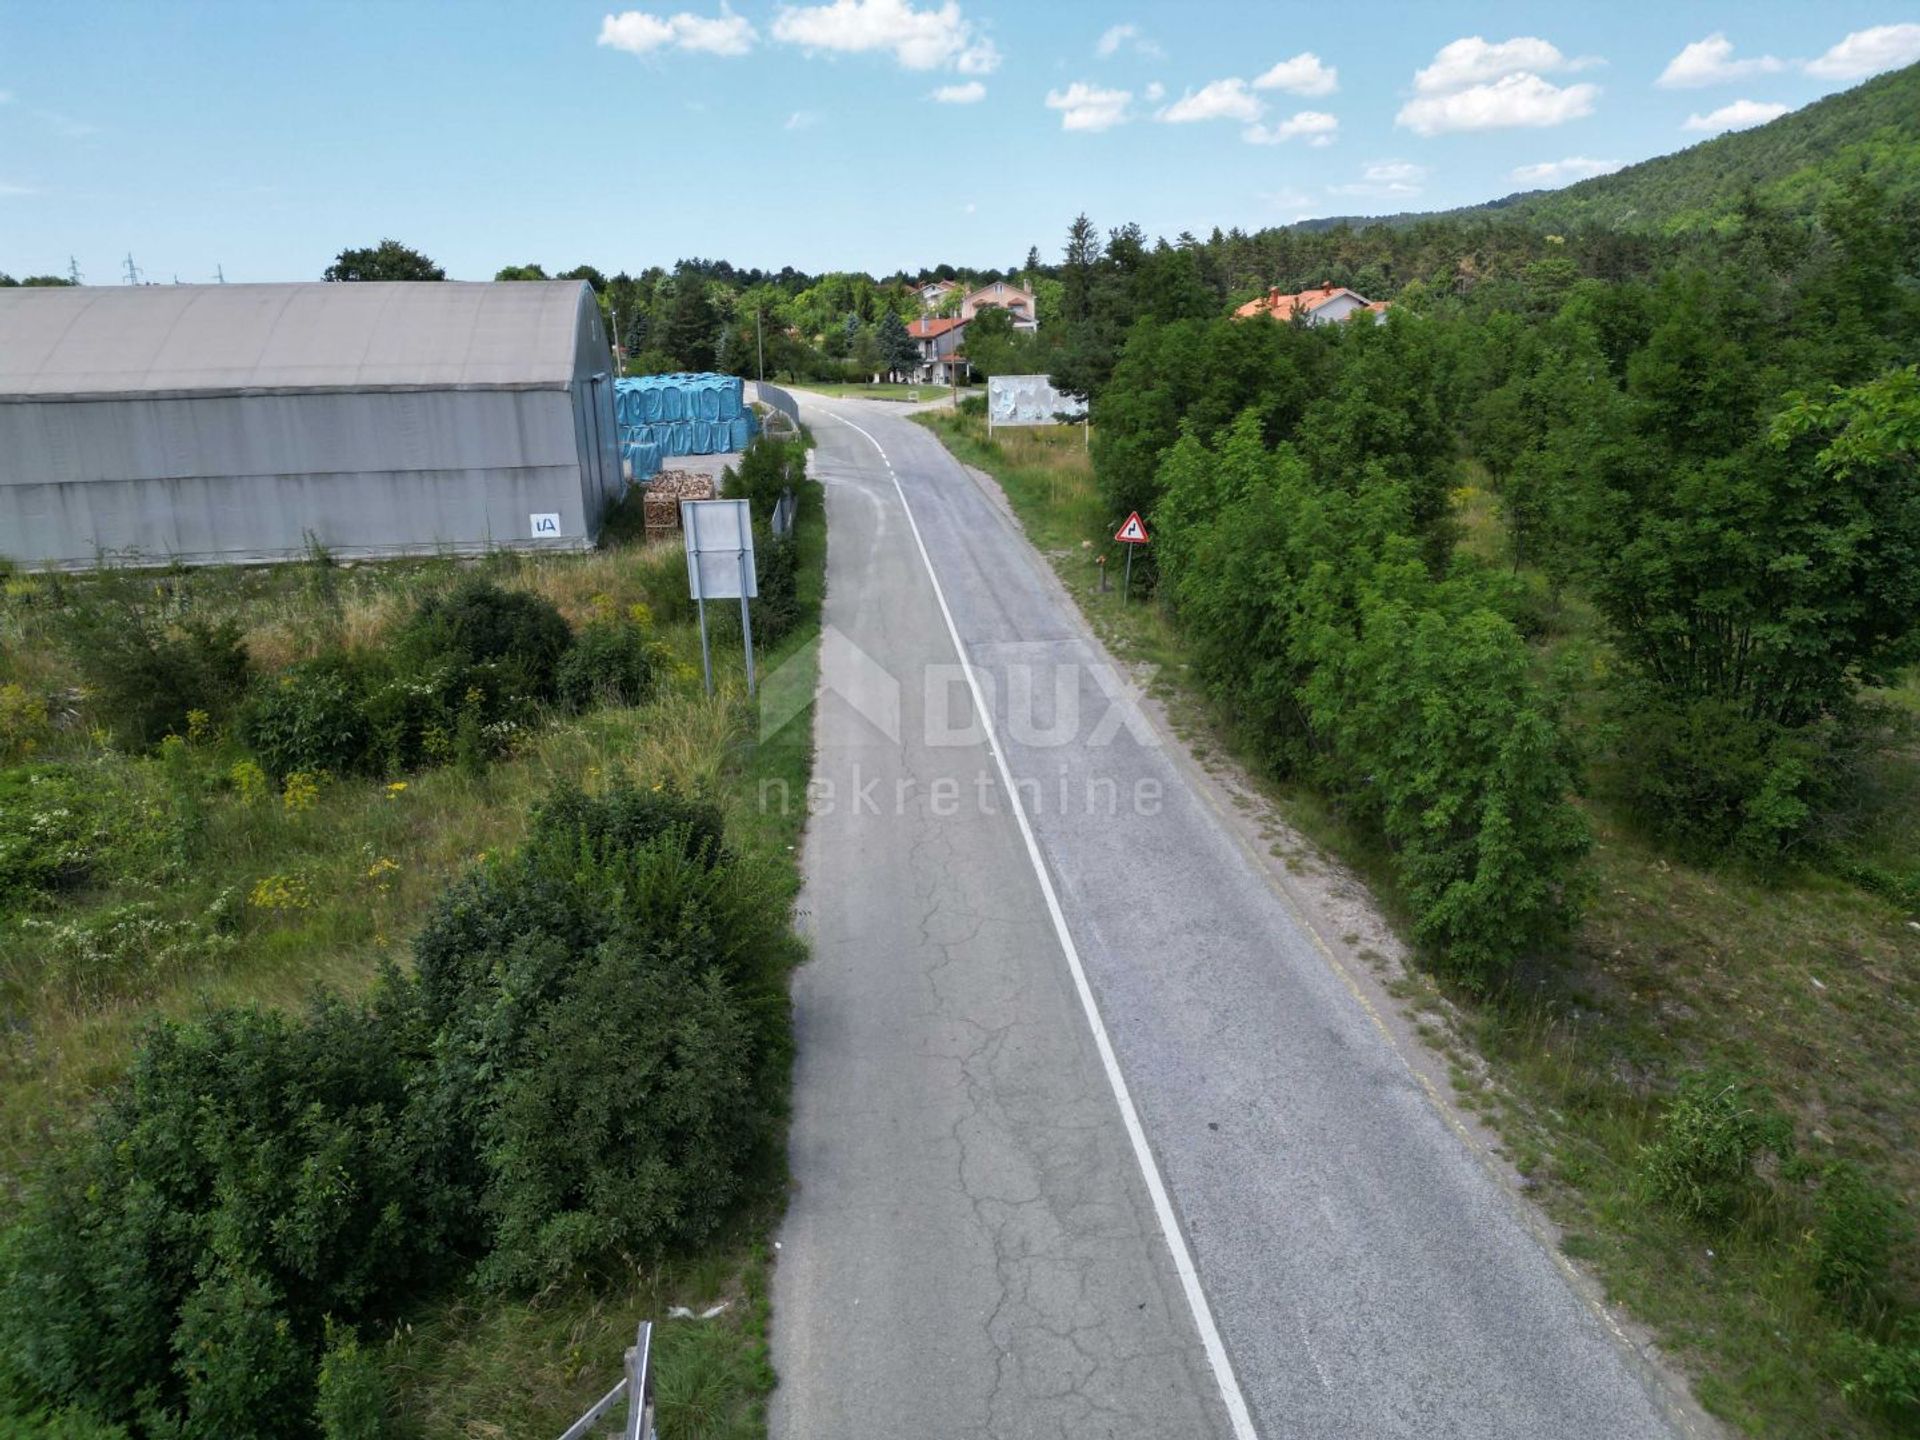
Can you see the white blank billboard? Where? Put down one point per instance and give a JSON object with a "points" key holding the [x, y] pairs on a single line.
{"points": [[1030, 400]]}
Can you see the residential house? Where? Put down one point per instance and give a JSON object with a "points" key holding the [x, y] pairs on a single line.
{"points": [[1013, 298], [1323, 305], [942, 362], [932, 293]]}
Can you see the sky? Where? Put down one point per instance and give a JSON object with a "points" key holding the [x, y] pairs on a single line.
{"points": [[256, 140]]}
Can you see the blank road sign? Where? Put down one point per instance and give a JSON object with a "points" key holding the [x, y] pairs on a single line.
{"points": [[719, 538]]}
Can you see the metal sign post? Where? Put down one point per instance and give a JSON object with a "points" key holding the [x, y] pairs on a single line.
{"points": [[719, 536], [746, 620], [706, 654], [1133, 533]]}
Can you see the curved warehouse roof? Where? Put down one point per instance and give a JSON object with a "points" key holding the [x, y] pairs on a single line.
{"points": [[150, 341]]}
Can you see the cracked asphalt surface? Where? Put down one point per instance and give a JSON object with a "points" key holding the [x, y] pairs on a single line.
{"points": [[970, 1249]]}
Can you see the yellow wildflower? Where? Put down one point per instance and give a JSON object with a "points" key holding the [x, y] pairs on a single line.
{"points": [[280, 892], [301, 792]]}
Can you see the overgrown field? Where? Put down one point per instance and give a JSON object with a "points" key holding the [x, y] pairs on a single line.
{"points": [[1711, 1080], [392, 960]]}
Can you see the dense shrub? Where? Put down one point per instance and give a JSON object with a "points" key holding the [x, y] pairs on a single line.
{"points": [[767, 469], [309, 718], [620, 1128], [776, 610], [478, 622], [254, 1175], [625, 930], [1700, 1164], [611, 661], [1710, 780], [148, 677]]}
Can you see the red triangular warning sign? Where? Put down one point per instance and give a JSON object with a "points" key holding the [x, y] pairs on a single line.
{"points": [[1133, 532]]}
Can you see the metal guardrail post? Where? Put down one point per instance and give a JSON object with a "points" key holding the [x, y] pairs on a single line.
{"points": [[636, 1386], [640, 1381]]}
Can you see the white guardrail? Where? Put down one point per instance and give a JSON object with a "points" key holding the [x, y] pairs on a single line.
{"points": [[636, 1387]]}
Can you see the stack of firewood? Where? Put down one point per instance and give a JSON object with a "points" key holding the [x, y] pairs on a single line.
{"points": [[664, 494]]}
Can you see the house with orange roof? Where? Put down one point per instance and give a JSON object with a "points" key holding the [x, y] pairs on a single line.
{"points": [[1323, 305], [939, 338]]}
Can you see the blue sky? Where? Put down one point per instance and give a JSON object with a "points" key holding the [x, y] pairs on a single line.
{"points": [[859, 134]]}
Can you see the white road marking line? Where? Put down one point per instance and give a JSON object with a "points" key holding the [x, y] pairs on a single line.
{"points": [[1216, 1349]]}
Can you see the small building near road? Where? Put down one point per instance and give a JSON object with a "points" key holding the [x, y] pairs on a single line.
{"points": [[1323, 305], [213, 424], [942, 360]]}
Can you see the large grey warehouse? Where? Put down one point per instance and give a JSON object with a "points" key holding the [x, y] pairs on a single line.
{"points": [[212, 424]]}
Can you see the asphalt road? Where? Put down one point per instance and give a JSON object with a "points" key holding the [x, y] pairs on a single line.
{"points": [[1089, 1138]]}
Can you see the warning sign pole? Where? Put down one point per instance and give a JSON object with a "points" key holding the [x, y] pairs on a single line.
{"points": [[1133, 533]]}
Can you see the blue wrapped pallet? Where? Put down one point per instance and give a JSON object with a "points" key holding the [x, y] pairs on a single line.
{"points": [[680, 414]]}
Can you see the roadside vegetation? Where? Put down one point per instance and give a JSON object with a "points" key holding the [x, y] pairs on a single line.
{"points": [[1577, 608], [393, 960]]}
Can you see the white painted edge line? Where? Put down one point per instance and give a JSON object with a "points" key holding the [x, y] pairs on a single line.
{"points": [[1230, 1396]]}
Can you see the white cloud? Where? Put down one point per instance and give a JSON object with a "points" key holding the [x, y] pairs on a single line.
{"points": [[1522, 99], [1125, 36], [802, 120], [1155, 92], [1217, 100], [917, 39], [1089, 107], [967, 94], [1868, 52], [640, 33], [1476, 61], [1385, 179], [982, 57], [1549, 173], [7, 191], [1317, 126], [1740, 115], [967, 209], [1304, 74], [1710, 62], [6, 97]]}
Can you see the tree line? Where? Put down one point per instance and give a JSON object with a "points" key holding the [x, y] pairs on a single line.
{"points": [[1710, 442]]}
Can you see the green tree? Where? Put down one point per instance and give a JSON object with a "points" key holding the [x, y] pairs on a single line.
{"points": [[866, 352], [521, 272], [389, 260], [692, 324], [899, 355], [995, 347]]}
